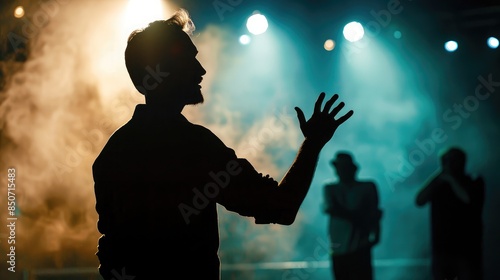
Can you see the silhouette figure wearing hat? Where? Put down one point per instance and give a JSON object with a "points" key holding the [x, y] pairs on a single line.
{"points": [[354, 224], [456, 201]]}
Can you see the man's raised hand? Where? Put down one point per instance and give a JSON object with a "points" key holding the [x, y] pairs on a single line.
{"points": [[322, 124]]}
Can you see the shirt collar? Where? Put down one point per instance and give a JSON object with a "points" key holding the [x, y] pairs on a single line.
{"points": [[142, 111]]}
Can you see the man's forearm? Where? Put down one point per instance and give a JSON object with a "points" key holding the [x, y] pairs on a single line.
{"points": [[297, 181], [317, 130], [426, 193]]}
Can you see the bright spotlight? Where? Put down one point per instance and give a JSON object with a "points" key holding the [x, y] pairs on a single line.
{"points": [[245, 39], [353, 31], [451, 46], [19, 12], [329, 45], [257, 24], [140, 13], [492, 42]]}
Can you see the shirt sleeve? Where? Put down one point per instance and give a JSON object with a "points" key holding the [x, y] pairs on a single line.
{"points": [[250, 193], [240, 188], [374, 212], [327, 199]]}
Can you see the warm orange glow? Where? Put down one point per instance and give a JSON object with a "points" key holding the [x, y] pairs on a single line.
{"points": [[19, 12], [329, 45], [141, 12]]}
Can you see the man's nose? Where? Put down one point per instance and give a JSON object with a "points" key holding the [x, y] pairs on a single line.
{"points": [[201, 69]]}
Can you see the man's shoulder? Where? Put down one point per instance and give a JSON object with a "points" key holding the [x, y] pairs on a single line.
{"points": [[367, 183], [121, 135], [368, 186], [120, 138], [331, 187], [203, 130], [207, 136]]}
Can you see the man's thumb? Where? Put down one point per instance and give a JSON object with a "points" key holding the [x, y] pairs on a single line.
{"points": [[300, 116]]}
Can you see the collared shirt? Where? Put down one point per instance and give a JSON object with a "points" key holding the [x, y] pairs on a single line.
{"points": [[157, 182], [353, 215]]}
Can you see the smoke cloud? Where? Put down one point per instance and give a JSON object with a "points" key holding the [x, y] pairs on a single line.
{"points": [[59, 107]]}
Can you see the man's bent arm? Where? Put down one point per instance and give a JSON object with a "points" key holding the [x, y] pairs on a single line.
{"points": [[318, 130], [427, 192], [297, 181]]}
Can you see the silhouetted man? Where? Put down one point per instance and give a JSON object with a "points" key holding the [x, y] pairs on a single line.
{"points": [[354, 224], [159, 177], [456, 219]]}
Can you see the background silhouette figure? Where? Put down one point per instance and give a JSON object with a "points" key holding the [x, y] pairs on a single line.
{"points": [[159, 177], [456, 201], [354, 224]]}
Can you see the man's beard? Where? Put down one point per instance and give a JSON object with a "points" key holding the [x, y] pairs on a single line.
{"points": [[195, 97]]}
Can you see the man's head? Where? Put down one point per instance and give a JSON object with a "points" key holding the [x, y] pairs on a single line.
{"points": [[453, 161], [345, 166], [161, 61]]}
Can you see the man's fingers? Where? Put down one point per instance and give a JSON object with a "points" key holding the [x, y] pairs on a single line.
{"points": [[330, 102], [317, 106], [300, 116], [337, 109], [344, 118]]}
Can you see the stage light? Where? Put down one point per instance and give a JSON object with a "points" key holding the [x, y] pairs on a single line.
{"points": [[245, 39], [19, 12], [451, 46], [329, 45], [257, 24], [492, 42], [353, 31], [140, 13]]}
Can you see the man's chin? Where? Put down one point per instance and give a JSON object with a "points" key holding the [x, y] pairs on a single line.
{"points": [[194, 99]]}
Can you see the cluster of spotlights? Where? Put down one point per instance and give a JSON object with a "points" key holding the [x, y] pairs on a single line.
{"points": [[256, 24], [354, 31]]}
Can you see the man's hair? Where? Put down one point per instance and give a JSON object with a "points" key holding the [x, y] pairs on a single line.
{"points": [[155, 45]]}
